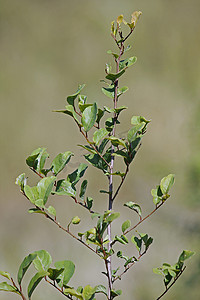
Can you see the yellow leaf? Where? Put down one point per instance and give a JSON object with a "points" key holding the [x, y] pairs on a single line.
{"points": [[135, 17], [120, 19]]}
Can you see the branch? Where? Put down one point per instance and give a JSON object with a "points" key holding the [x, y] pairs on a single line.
{"points": [[128, 267], [167, 289], [143, 219], [60, 290], [69, 232], [119, 187]]}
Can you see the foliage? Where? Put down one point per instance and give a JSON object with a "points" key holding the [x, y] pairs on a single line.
{"points": [[98, 126]]}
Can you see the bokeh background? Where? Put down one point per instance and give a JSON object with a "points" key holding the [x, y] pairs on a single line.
{"points": [[46, 49]]}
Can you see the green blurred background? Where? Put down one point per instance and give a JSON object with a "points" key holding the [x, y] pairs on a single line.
{"points": [[46, 49]]}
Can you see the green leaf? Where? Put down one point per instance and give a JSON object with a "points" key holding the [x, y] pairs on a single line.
{"points": [[4, 286], [166, 183], [134, 207], [99, 135], [112, 217], [89, 117], [51, 210], [82, 107], [88, 148], [71, 99], [24, 266], [69, 110], [39, 203], [116, 142], [126, 225], [137, 120], [35, 281], [75, 176], [88, 292], [100, 114], [73, 292], [113, 77], [36, 211], [89, 202], [68, 272], [37, 159], [42, 261], [75, 220], [83, 189], [127, 62], [54, 273], [21, 181], [31, 193], [185, 255], [138, 242], [5, 274], [122, 90], [114, 54], [101, 289], [44, 187], [115, 293], [60, 162], [64, 187], [109, 91], [121, 239]]}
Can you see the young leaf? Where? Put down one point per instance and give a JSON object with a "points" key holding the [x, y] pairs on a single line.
{"points": [[42, 260], [68, 272], [70, 99], [166, 183], [75, 220], [185, 255], [51, 210], [127, 62], [88, 292], [4, 286], [89, 117], [126, 225], [60, 162], [134, 207], [5, 274], [35, 281], [73, 292], [21, 181]]}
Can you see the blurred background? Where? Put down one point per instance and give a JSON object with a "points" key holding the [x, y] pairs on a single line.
{"points": [[47, 49]]}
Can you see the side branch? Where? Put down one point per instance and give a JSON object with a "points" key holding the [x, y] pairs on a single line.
{"points": [[167, 289]]}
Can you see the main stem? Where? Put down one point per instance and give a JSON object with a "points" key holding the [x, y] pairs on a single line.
{"points": [[110, 204]]}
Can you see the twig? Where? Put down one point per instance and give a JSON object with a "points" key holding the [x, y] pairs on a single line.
{"points": [[167, 289]]}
